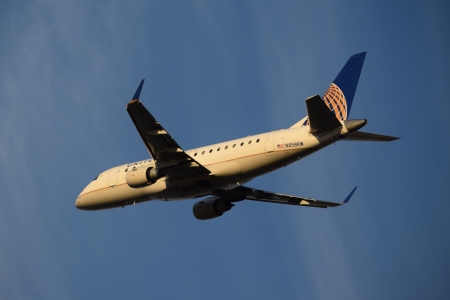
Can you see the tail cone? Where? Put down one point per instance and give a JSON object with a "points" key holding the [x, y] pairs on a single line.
{"points": [[353, 125]]}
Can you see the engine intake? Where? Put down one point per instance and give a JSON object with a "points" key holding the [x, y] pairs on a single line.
{"points": [[211, 208], [140, 177]]}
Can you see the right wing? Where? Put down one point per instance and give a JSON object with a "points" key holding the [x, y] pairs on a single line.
{"points": [[241, 192], [162, 147]]}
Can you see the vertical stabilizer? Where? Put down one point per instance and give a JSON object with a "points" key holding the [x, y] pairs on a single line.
{"points": [[339, 96]]}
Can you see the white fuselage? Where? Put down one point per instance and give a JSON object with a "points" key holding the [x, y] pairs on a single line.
{"points": [[231, 163]]}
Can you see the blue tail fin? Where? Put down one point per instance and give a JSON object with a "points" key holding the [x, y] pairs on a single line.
{"points": [[339, 96]]}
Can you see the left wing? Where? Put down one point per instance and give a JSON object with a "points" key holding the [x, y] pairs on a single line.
{"points": [[242, 192], [162, 147]]}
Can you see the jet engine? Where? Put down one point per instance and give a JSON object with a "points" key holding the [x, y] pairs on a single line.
{"points": [[211, 208], [140, 177]]}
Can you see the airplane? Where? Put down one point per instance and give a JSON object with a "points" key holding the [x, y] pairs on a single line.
{"points": [[217, 173]]}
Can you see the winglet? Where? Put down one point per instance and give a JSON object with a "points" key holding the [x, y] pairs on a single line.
{"points": [[138, 91], [349, 196]]}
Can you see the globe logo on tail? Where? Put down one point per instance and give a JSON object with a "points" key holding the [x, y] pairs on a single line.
{"points": [[335, 100]]}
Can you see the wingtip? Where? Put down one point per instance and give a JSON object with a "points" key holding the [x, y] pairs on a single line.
{"points": [[360, 54], [349, 196], [138, 91]]}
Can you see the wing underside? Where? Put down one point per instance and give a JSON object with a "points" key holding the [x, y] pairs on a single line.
{"points": [[242, 192]]}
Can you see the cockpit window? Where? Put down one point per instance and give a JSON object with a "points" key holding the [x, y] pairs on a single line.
{"points": [[95, 178]]}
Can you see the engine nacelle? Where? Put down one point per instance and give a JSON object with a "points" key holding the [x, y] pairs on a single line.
{"points": [[140, 177], [211, 208]]}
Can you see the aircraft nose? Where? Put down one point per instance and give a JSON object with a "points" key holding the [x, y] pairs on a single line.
{"points": [[87, 201], [82, 203], [78, 203]]}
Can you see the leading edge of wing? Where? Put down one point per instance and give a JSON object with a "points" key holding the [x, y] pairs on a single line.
{"points": [[265, 196]]}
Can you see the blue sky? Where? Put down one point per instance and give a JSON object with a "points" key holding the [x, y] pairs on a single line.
{"points": [[216, 71]]}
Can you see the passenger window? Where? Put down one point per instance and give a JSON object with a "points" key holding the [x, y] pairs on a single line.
{"points": [[195, 154], [242, 144], [257, 140], [126, 169], [226, 147], [203, 152], [210, 151], [218, 149], [234, 145], [249, 142]]}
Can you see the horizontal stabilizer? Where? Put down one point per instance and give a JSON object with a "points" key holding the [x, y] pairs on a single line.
{"points": [[369, 137], [321, 119]]}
